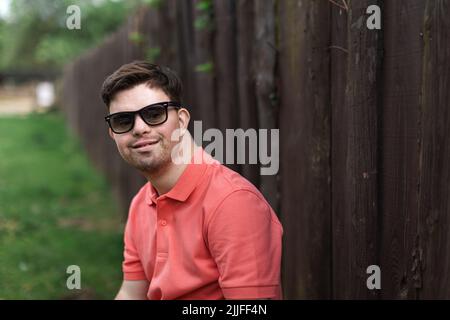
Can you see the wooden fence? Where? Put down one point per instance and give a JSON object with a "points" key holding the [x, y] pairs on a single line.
{"points": [[363, 117]]}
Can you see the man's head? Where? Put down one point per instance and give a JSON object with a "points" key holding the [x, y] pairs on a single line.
{"points": [[142, 142]]}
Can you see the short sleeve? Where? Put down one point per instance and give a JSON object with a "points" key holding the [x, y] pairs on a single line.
{"points": [[245, 238], [131, 266]]}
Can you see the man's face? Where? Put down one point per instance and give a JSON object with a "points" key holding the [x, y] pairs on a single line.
{"points": [[147, 148]]}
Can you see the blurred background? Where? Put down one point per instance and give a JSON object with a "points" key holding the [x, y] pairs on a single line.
{"points": [[362, 113], [56, 209]]}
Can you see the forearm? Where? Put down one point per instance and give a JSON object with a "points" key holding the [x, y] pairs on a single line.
{"points": [[133, 290]]}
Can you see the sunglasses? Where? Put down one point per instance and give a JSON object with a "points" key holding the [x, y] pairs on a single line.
{"points": [[153, 115]]}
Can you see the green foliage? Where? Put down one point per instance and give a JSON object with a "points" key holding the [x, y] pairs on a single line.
{"points": [[204, 5], [204, 20], [207, 67], [55, 211], [136, 37], [35, 36], [153, 3], [152, 54]]}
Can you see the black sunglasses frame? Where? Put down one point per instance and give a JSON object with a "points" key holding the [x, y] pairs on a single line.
{"points": [[165, 104]]}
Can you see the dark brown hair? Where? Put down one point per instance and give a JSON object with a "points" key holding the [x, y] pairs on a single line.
{"points": [[137, 72]]}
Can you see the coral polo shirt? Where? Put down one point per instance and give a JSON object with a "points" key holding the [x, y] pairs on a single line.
{"points": [[212, 236]]}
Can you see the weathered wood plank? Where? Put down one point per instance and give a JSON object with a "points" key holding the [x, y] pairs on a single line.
{"points": [[402, 73], [248, 113], [305, 148], [204, 76], [358, 238], [225, 62], [433, 250], [265, 88], [339, 138], [186, 55]]}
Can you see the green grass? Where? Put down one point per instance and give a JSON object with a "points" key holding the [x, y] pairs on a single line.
{"points": [[55, 211]]}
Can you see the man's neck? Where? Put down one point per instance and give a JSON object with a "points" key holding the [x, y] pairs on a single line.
{"points": [[164, 180]]}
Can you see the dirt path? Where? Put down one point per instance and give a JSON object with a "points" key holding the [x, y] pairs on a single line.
{"points": [[16, 105], [17, 99]]}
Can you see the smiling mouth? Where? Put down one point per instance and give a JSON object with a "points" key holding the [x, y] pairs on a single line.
{"points": [[144, 146]]}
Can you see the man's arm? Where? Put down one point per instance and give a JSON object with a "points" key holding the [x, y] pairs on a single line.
{"points": [[133, 290], [245, 241]]}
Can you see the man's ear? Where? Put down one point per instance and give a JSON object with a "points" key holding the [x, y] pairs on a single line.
{"points": [[111, 134], [183, 118]]}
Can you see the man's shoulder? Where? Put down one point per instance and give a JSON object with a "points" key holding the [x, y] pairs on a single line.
{"points": [[230, 180], [225, 183], [236, 198], [140, 197]]}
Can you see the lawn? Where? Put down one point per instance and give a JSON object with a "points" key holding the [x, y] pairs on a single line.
{"points": [[55, 211]]}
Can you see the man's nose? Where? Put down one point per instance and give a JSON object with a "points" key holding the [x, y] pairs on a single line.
{"points": [[140, 127]]}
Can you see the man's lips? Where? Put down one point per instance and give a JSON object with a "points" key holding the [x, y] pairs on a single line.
{"points": [[143, 143]]}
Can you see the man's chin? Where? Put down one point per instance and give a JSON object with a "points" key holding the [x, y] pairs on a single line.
{"points": [[149, 162], [148, 166]]}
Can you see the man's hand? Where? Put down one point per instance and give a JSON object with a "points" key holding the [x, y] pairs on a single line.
{"points": [[133, 290]]}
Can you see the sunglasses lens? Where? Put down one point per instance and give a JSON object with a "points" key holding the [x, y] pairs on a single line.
{"points": [[121, 122], [154, 115]]}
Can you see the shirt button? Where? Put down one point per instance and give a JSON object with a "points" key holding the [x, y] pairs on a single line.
{"points": [[163, 222]]}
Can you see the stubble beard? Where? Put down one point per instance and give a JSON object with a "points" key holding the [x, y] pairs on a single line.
{"points": [[152, 161]]}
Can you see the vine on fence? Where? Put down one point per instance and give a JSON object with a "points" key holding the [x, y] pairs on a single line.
{"points": [[204, 20]]}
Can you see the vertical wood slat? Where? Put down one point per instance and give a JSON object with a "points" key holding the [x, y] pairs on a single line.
{"points": [[304, 122], [204, 80], [433, 253], [169, 39], [186, 55], [265, 89], [248, 113], [360, 210], [339, 137], [402, 70], [225, 63]]}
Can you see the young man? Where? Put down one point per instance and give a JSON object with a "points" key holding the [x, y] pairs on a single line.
{"points": [[196, 230]]}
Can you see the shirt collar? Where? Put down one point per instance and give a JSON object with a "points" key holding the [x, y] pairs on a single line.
{"points": [[188, 180]]}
